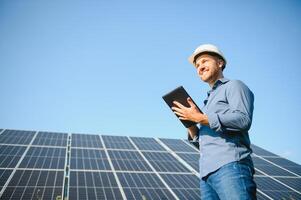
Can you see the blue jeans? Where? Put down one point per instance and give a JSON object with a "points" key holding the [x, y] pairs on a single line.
{"points": [[233, 181]]}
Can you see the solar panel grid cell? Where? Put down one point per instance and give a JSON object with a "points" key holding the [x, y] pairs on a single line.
{"points": [[34, 184], [147, 144], [4, 175], [128, 161], [50, 139], [260, 151], [185, 186], [287, 164], [89, 159], [10, 155], [164, 162], [16, 137], [143, 186], [191, 159], [269, 168], [44, 157], [85, 140], [295, 183], [178, 145], [93, 185], [274, 189], [117, 142]]}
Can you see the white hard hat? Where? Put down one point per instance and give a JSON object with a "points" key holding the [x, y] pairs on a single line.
{"points": [[206, 48]]}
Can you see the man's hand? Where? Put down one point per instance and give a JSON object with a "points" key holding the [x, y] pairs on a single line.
{"points": [[191, 113]]}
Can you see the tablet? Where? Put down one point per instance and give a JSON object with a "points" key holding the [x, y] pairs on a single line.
{"points": [[180, 95]]}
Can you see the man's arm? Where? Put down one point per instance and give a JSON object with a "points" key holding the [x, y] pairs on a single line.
{"points": [[237, 116], [193, 132]]}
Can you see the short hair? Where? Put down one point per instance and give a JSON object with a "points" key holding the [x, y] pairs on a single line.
{"points": [[211, 54]]}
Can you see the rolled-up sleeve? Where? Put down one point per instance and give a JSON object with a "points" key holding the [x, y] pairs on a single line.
{"points": [[237, 116]]}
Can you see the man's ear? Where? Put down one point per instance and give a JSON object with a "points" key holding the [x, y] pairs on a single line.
{"points": [[220, 63]]}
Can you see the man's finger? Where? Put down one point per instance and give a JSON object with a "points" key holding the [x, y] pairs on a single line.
{"points": [[190, 102], [178, 104]]}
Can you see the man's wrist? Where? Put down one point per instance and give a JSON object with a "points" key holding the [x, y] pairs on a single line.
{"points": [[203, 119]]}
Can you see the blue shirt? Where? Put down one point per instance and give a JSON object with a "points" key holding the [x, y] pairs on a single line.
{"points": [[229, 107]]}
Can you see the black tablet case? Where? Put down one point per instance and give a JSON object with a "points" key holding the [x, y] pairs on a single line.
{"points": [[180, 95]]}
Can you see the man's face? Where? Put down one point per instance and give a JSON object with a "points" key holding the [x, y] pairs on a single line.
{"points": [[209, 68]]}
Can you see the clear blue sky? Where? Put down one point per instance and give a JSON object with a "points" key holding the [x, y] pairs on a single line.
{"points": [[102, 66]]}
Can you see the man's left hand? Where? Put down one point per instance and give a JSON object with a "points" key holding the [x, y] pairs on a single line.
{"points": [[191, 113]]}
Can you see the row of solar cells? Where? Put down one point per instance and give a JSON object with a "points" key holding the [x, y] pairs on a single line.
{"points": [[48, 151]]}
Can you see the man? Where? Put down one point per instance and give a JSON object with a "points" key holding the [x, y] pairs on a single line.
{"points": [[226, 167]]}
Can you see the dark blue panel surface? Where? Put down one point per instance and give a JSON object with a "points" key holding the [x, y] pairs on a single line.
{"points": [[93, 185], [44, 157], [10, 155], [178, 145], [143, 186], [186, 186], [16, 137], [89, 159], [147, 144], [192, 159], [128, 161], [117, 142], [51, 139], [164, 162], [85, 140], [34, 184]]}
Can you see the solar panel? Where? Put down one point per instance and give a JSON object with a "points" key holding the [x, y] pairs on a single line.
{"points": [[164, 162], [4, 175], [186, 186], [294, 182], [147, 144], [89, 159], [35, 184], [44, 157], [50, 165], [87, 141], [117, 142], [192, 159], [128, 161], [260, 151], [16, 137], [178, 145], [93, 185], [275, 189], [287, 164], [10, 155], [143, 186], [51, 139], [270, 168]]}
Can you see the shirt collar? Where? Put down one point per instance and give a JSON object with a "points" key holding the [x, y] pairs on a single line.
{"points": [[218, 83]]}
